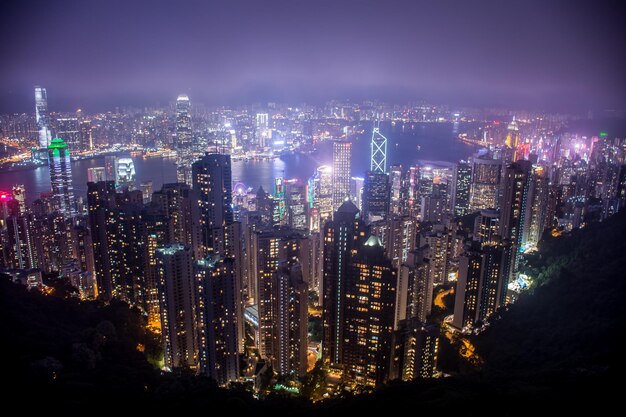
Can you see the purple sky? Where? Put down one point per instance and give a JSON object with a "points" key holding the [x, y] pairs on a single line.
{"points": [[96, 54]]}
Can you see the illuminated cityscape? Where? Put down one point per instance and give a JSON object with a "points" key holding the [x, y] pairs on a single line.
{"points": [[333, 238]]}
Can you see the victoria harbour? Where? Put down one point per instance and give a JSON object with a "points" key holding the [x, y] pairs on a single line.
{"points": [[408, 144]]}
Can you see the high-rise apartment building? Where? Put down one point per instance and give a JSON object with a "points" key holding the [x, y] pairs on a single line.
{"points": [[177, 300]]}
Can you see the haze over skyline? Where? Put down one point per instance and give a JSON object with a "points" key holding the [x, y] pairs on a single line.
{"points": [[565, 56]]}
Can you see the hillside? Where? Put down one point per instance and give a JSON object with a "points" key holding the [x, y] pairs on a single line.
{"points": [[554, 350]]}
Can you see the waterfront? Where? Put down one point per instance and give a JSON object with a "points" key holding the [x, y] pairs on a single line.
{"points": [[436, 142]]}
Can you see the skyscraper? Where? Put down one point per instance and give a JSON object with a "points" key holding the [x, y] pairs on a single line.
{"points": [[61, 177], [375, 195], [342, 154], [461, 188], [378, 160], [177, 299], [486, 174], [481, 285], [184, 139], [342, 235], [262, 129], [101, 204], [516, 185], [41, 117], [217, 319], [212, 182], [124, 173], [370, 297]]}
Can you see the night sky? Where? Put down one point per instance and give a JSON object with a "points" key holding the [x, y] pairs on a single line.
{"points": [[565, 55]]}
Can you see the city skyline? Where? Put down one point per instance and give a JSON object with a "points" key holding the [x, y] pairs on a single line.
{"points": [[443, 220]]}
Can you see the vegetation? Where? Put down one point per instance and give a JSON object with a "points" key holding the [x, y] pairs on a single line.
{"points": [[555, 350]]}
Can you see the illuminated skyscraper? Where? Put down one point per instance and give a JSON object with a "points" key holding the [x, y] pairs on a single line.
{"points": [[378, 161], [342, 236], [19, 194], [342, 154], [217, 319], [516, 185], [370, 298], [262, 129], [124, 173], [486, 174], [512, 139], [41, 117], [177, 301], [96, 174], [395, 187], [461, 184], [61, 177], [482, 284], [212, 182], [67, 127], [320, 195], [184, 139], [375, 195]]}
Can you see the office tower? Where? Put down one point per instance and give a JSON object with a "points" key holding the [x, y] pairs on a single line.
{"points": [[101, 205], [177, 302], [124, 173], [41, 117], [375, 195], [279, 214], [217, 319], [290, 299], [342, 154], [96, 174], [395, 189], [68, 129], [61, 177], [512, 139], [487, 227], [295, 198], [416, 288], [416, 346], [212, 181], [486, 174], [516, 183], [184, 139], [146, 191], [262, 129], [481, 285], [378, 151], [342, 235], [19, 195], [370, 297], [461, 188], [356, 191], [178, 203], [320, 196]]}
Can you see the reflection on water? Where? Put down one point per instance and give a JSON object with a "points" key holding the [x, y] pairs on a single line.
{"points": [[437, 142]]}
